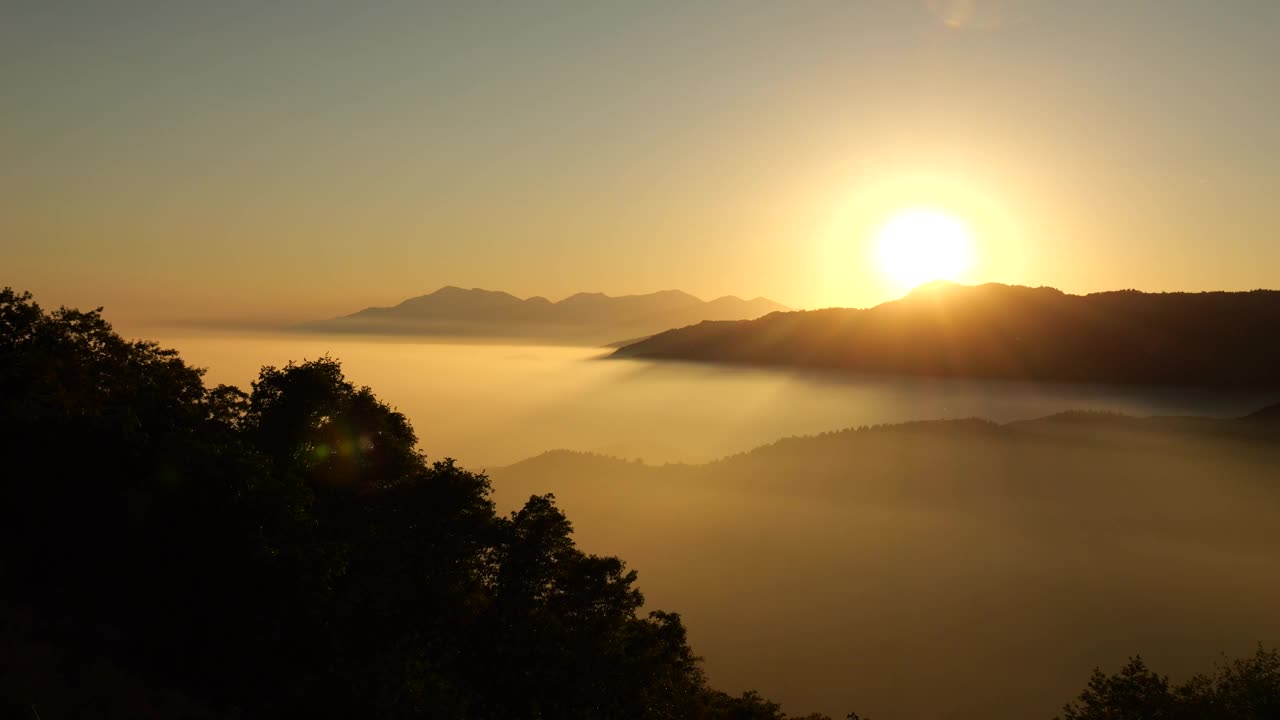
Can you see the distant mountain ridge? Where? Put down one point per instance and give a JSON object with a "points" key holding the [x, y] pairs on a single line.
{"points": [[1093, 426], [1009, 331], [951, 530], [590, 317]]}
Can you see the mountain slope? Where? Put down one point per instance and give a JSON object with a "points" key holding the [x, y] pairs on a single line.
{"points": [[1003, 331], [584, 317], [876, 561]]}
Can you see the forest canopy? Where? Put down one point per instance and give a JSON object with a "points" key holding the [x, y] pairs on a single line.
{"points": [[175, 549]]}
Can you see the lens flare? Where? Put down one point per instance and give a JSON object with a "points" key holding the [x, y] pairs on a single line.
{"points": [[975, 14]]}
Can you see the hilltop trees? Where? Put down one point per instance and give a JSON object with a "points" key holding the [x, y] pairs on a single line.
{"points": [[1243, 689], [171, 549]]}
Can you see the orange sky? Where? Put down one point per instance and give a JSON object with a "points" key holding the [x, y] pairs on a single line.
{"points": [[264, 164]]}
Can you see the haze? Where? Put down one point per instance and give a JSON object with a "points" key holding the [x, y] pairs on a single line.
{"points": [[496, 404], [989, 565], [287, 161]]}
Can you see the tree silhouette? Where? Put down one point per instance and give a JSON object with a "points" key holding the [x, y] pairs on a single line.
{"points": [[169, 549], [1243, 689]]}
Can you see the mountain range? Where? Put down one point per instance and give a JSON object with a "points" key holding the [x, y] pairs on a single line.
{"points": [[1009, 331], [584, 317]]}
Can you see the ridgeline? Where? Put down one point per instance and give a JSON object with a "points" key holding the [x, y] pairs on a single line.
{"points": [[1221, 339]]}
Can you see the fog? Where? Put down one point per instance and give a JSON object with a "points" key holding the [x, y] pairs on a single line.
{"points": [[947, 568], [958, 570], [927, 571], [490, 405]]}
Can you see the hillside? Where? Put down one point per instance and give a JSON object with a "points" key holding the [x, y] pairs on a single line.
{"points": [[1014, 332], [855, 567], [175, 550], [584, 317]]}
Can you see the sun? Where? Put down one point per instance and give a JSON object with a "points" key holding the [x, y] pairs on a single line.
{"points": [[922, 244]]}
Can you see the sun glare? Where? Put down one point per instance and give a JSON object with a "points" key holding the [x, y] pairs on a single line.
{"points": [[922, 244]]}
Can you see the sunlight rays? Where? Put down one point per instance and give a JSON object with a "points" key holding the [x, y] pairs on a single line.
{"points": [[887, 234]]}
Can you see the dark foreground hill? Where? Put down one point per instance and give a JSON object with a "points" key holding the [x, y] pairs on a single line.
{"points": [[995, 565], [585, 317], [171, 550], [1002, 331]]}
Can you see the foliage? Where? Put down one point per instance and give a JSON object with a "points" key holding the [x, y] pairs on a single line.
{"points": [[1243, 689], [170, 549]]}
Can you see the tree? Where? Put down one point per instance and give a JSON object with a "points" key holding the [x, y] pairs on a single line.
{"points": [[174, 549], [1243, 689]]}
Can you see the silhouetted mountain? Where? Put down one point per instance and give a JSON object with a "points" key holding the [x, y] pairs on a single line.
{"points": [[1269, 414], [1003, 331], [841, 452], [881, 560], [584, 317]]}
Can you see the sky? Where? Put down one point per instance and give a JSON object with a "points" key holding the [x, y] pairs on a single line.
{"points": [[263, 162]]}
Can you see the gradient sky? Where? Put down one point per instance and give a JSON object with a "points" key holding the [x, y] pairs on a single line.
{"points": [[264, 161]]}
